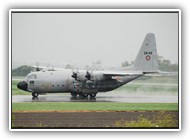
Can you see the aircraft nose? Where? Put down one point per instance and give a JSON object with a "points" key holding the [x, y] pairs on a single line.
{"points": [[22, 85]]}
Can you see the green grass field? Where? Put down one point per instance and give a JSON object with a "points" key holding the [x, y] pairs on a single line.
{"points": [[92, 106]]}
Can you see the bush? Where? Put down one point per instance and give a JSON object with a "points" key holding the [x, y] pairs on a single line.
{"points": [[22, 70], [161, 120]]}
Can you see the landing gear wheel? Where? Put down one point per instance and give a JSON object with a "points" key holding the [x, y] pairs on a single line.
{"points": [[93, 95], [80, 96], [84, 95], [73, 94], [34, 94]]}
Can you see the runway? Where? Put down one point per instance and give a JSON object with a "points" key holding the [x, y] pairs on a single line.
{"points": [[101, 97]]}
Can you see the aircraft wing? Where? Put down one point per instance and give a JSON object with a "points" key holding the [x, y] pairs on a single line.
{"points": [[122, 73]]}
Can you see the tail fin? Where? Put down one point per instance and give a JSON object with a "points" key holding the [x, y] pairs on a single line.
{"points": [[146, 59]]}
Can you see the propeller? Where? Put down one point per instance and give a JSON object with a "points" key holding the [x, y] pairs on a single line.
{"points": [[88, 75], [37, 66], [52, 68], [74, 75], [83, 75]]}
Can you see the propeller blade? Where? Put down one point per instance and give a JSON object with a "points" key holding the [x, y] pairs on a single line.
{"points": [[37, 66], [88, 76], [74, 75]]}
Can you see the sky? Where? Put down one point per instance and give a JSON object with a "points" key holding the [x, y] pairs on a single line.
{"points": [[84, 38]]}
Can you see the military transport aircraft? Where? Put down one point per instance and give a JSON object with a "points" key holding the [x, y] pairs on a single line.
{"points": [[88, 83]]}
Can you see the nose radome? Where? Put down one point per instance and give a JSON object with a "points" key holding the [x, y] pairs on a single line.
{"points": [[22, 85]]}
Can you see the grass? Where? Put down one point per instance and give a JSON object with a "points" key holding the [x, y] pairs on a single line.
{"points": [[161, 120], [92, 106], [148, 88], [158, 79]]}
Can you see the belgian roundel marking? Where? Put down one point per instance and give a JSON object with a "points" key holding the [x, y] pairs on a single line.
{"points": [[148, 57]]}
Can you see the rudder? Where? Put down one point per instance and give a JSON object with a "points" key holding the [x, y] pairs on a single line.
{"points": [[147, 58]]}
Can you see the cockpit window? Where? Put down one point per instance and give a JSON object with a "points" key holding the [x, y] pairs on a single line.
{"points": [[31, 76]]}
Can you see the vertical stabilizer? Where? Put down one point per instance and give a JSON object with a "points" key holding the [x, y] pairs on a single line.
{"points": [[147, 59]]}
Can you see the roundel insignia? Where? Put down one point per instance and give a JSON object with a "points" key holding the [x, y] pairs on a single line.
{"points": [[148, 57]]}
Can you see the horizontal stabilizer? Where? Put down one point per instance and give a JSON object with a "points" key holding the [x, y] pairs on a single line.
{"points": [[162, 73]]}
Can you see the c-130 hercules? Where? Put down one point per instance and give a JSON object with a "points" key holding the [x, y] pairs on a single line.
{"points": [[85, 83]]}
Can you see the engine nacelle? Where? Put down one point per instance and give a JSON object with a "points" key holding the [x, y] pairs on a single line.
{"points": [[79, 76], [97, 76], [86, 75]]}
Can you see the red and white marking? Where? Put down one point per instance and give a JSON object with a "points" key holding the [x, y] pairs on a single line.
{"points": [[148, 58]]}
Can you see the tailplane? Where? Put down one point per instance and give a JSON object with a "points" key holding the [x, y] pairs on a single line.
{"points": [[147, 59]]}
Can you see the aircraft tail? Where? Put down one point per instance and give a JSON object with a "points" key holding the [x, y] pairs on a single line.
{"points": [[146, 59]]}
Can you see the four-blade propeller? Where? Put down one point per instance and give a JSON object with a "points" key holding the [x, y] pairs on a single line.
{"points": [[81, 77]]}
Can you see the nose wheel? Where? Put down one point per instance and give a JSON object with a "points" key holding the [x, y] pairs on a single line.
{"points": [[34, 94]]}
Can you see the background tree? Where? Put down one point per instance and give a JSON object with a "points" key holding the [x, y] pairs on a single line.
{"points": [[22, 70], [163, 64]]}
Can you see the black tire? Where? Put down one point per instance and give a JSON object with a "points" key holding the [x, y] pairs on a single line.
{"points": [[80, 96], [34, 94], [73, 94], [84, 95], [93, 95]]}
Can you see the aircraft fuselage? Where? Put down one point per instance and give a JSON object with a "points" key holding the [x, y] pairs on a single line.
{"points": [[61, 81]]}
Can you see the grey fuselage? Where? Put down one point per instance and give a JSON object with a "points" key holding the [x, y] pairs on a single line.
{"points": [[61, 81]]}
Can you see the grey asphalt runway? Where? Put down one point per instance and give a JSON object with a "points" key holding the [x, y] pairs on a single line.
{"points": [[101, 97]]}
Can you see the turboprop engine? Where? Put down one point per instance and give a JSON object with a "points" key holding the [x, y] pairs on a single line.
{"points": [[95, 76], [86, 75]]}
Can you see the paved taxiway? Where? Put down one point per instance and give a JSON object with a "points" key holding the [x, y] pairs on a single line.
{"points": [[101, 97]]}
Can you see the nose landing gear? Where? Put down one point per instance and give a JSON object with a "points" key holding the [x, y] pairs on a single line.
{"points": [[34, 94]]}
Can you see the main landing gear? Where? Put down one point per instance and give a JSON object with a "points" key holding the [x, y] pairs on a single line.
{"points": [[83, 95]]}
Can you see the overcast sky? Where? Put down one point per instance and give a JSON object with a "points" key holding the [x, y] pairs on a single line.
{"points": [[83, 38]]}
